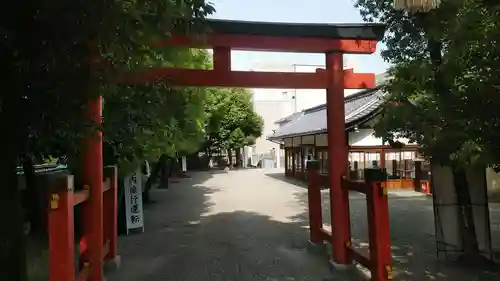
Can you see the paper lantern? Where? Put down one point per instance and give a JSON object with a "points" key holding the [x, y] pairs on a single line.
{"points": [[416, 5]]}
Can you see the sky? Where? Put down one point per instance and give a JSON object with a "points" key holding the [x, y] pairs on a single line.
{"points": [[305, 11]]}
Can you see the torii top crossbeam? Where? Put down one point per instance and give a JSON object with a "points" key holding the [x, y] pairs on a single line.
{"points": [[287, 37], [227, 35]]}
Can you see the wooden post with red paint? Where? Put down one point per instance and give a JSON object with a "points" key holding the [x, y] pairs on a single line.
{"points": [[314, 201], [378, 225], [111, 212], [337, 158], [61, 231], [226, 36], [92, 168]]}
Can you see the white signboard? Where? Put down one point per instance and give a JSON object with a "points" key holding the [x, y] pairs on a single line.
{"points": [[133, 203]]}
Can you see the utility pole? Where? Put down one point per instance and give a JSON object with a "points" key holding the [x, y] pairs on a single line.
{"points": [[294, 97]]}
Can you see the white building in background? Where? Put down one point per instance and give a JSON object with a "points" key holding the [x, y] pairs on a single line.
{"points": [[275, 104], [271, 109]]}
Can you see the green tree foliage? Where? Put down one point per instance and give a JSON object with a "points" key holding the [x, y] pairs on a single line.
{"points": [[454, 125], [142, 122], [231, 120], [51, 53], [444, 89]]}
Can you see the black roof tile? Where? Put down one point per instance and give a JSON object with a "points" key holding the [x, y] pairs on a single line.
{"points": [[370, 31], [358, 107]]}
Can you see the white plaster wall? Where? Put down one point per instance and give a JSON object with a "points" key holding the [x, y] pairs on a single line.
{"points": [[308, 139], [270, 112], [322, 140], [307, 98], [304, 98], [363, 137]]}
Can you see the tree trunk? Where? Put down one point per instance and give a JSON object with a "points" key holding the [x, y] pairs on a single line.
{"points": [[468, 229], [238, 157], [12, 239], [156, 172], [159, 173], [461, 186], [173, 166], [165, 172], [230, 158]]}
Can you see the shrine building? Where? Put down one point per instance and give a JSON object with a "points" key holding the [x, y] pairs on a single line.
{"points": [[303, 135]]}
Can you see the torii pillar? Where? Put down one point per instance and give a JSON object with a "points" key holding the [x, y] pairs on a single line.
{"points": [[337, 158], [329, 39]]}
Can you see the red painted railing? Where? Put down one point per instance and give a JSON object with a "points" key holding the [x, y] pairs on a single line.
{"points": [[379, 260], [61, 225]]}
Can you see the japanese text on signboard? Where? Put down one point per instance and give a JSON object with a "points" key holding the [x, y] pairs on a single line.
{"points": [[134, 200]]}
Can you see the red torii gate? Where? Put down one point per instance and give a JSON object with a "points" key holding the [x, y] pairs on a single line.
{"points": [[333, 40]]}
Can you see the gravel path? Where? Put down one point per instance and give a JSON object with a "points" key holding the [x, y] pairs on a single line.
{"points": [[252, 225], [239, 225], [412, 236]]}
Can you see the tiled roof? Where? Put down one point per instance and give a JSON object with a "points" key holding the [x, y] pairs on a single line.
{"points": [[288, 118], [358, 107], [357, 31]]}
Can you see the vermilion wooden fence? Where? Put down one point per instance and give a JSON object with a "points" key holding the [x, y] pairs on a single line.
{"points": [[61, 226], [379, 259]]}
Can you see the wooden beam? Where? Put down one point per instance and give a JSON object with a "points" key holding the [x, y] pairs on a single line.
{"points": [[80, 196], [222, 59], [326, 235], [273, 43], [358, 186], [245, 79], [361, 257]]}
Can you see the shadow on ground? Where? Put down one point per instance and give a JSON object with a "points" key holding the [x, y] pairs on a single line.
{"points": [[184, 240], [282, 177], [412, 237]]}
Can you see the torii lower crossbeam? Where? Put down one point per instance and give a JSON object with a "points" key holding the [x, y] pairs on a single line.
{"points": [[247, 79], [332, 40], [329, 39]]}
